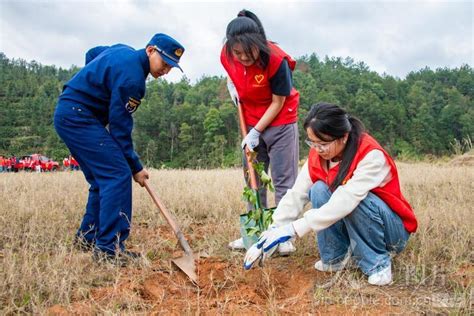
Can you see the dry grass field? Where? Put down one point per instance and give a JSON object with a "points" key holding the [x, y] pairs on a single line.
{"points": [[41, 272]]}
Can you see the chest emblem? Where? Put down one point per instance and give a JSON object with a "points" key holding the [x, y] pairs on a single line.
{"points": [[132, 105], [259, 78]]}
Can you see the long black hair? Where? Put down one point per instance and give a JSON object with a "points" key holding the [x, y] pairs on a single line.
{"points": [[247, 30], [330, 122]]}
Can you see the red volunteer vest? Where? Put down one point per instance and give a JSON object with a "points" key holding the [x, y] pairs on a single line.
{"points": [[73, 162], [253, 86], [390, 193]]}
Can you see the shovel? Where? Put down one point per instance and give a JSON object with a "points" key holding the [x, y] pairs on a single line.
{"points": [[243, 132], [248, 241], [248, 155], [186, 262]]}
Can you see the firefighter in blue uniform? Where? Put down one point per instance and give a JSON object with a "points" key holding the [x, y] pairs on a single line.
{"points": [[94, 118]]}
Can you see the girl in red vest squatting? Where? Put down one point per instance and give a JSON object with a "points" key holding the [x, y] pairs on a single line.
{"points": [[260, 78], [358, 209]]}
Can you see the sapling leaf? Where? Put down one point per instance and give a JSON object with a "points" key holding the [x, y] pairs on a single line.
{"points": [[256, 214], [259, 168], [267, 218], [253, 196], [260, 218], [247, 221], [249, 195], [265, 178], [271, 187], [252, 231]]}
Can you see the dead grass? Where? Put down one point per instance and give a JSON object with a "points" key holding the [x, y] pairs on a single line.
{"points": [[41, 272]]}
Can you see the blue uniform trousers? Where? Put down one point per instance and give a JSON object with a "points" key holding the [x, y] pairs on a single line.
{"points": [[108, 215], [372, 231]]}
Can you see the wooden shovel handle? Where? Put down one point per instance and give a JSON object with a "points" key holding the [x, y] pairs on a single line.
{"points": [[169, 218], [243, 131]]}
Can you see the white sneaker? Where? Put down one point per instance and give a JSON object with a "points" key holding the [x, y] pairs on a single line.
{"points": [[237, 244], [286, 248], [329, 267], [382, 277]]}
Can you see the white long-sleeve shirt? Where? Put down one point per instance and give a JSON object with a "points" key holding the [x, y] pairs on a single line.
{"points": [[372, 171]]}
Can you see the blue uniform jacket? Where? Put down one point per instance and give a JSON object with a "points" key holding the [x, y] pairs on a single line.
{"points": [[111, 86]]}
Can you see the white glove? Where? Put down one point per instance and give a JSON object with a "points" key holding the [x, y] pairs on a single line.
{"points": [[252, 255], [232, 91], [267, 244], [271, 238], [251, 140], [256, 254]]}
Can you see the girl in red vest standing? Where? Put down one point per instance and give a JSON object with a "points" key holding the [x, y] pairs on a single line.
{"points": [[359, 212], [260, 78]]}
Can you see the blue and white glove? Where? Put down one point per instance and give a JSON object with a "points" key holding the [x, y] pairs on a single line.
{"points": [[233, 92], [251, 140], [267, 244], [256, 254], [252, 255], [271, 238]]}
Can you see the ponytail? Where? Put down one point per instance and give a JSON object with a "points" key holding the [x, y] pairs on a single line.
{"points": [[247, 30], [357, 128], [253, 17]]}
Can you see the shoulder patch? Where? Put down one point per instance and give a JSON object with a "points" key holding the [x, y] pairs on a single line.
{"points": [[132, 104]]}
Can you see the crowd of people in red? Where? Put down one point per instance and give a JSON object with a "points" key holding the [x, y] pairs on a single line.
{"points": [[35, 162], [69, 163]]}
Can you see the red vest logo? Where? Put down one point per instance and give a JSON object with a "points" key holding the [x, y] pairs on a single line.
{"points": [[259, 78]]}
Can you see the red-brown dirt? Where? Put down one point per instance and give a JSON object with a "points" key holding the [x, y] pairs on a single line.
{"points": [[284, 285], [223, 288]]}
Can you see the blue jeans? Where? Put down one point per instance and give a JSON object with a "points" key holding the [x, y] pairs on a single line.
{"points": [[106, 222], [372, 230]]}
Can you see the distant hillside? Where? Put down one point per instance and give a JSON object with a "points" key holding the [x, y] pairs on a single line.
{"points": [[184, 125]]}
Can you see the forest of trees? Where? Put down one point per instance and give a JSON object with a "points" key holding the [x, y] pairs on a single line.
{"points": [[195, 125]]}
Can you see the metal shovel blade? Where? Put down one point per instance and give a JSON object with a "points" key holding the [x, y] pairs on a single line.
{"points": [[186, 264]]}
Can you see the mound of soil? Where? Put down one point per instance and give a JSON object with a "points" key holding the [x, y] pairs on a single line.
{"points": [[280, 287], [283, 285], [223, 287]]}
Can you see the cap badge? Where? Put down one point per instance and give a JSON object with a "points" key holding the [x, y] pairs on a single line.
{"points": [[178, 52]]}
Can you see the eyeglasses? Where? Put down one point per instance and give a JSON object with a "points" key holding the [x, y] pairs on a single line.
{"points": [[321, 147]]}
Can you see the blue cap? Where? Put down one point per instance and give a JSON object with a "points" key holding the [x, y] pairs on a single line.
{"points": [[169, 49]]}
